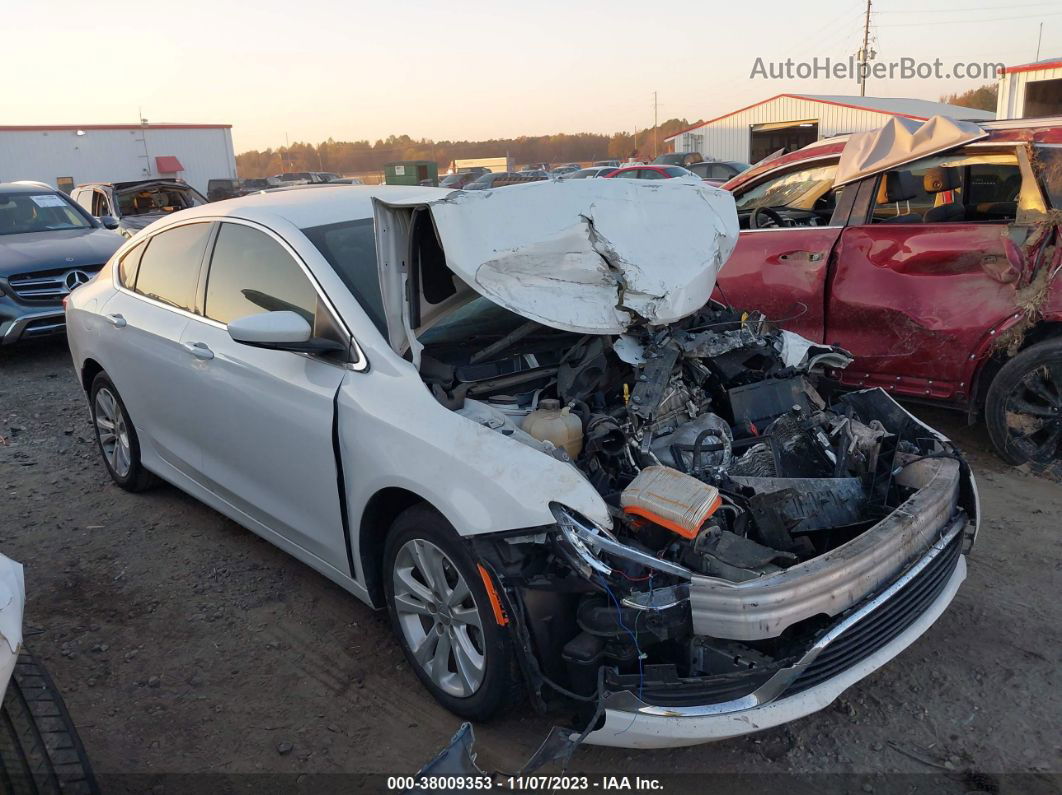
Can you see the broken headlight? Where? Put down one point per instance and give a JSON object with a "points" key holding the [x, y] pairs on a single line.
{"points": [[573, 529]]}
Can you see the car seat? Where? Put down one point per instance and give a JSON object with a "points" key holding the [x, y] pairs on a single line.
{"points": [[896, 187], [938, 180]]}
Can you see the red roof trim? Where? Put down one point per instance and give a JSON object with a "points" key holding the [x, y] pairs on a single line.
{"points": [[1032, 67], [75, 127], [806, 98]]}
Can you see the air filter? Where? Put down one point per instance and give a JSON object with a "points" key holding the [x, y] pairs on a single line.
{"points": [[671, 499]]}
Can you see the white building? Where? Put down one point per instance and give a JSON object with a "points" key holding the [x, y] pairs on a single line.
{"points": [[795, 120], [68, 155], [1032, 89]]}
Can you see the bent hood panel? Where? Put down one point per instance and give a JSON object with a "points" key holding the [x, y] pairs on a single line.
{"points": [[590, 256]]}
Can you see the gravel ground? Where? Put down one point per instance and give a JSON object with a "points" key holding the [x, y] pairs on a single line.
{"points": [[184, 644]]}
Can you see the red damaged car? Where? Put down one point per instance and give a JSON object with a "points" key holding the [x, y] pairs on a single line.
{"points": [[931, 251]]}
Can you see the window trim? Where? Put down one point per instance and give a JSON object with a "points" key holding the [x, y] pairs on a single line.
{"points": [[360, 364]]}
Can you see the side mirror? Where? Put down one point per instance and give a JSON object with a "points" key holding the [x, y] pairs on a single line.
{"points": [[283, 330], [109, 221]]}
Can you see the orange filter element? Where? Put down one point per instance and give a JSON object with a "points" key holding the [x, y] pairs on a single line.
{"points": [[671, 499]]}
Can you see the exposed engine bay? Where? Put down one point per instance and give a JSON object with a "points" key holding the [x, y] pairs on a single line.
{"points": [[722, 465]]}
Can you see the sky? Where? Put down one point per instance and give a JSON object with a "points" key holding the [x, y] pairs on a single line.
{"points": [[306, 71]]}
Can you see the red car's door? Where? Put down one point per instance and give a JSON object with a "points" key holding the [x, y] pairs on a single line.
{"points": [[781, 271], [916, 291]]}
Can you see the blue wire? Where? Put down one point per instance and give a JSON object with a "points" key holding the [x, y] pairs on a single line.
{"points": [[619, 618]]}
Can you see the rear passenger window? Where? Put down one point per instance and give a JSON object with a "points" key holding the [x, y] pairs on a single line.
{"points": [[169, 266], [129, 265], [251, 273]]}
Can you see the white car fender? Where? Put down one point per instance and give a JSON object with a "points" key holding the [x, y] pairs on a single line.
{"points": [[12, 604]]}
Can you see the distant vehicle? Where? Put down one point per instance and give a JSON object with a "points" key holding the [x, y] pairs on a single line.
{"points": [[500, 180], [226, 188], [259, 183], [348, 181], [718, 171], [297, 178], [136, 204], [613, 163], [593, 171], [560, 171], [534, 172], [678, 159], [49, 246], [325, 176], [536, 167], [651, 172], [459, 180]]}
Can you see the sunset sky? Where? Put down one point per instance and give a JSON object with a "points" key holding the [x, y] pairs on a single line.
{"points": [[468, 69]]}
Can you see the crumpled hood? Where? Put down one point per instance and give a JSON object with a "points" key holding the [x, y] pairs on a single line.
{"points": [[590, 256], [62, 248]]}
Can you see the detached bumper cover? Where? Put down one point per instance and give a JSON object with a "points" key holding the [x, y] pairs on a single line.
{"points": [[860, 643]]}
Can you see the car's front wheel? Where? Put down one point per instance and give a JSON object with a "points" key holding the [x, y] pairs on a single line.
{"points": [[116, 436], [1023, 408], [443, 617]]}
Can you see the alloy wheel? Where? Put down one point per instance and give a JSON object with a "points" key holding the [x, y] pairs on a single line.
{"points": [[1034, 414], [112, 432], [439, 618]]}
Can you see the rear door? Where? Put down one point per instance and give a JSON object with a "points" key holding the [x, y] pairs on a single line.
{"points": [[920, 282], [781, 271], [146, 317], [265, 417]]}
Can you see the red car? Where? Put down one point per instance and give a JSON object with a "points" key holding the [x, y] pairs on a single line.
{"points": [[938, 271]]}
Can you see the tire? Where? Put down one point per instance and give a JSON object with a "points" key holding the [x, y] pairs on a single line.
{"points": [[1023, 408], [40, 750], [451, 640], [120, 448]]}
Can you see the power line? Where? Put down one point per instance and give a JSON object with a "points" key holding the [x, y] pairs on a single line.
{"points": [[967, 21], [954, 10]]}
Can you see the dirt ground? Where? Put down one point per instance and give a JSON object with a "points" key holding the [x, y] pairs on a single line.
{"points": [[184, 644]]}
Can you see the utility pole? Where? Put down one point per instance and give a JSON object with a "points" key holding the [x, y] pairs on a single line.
{"points": [[863, 54], [1039, 38], [656, 150]]}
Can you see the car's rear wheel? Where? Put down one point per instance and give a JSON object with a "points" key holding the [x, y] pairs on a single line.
{"points": [[1023, 408], [443, 617], [116, 436]]}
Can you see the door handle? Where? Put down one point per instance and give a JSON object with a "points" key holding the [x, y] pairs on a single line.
{"points": [[115, 320], [801, 256], [198, 349]]}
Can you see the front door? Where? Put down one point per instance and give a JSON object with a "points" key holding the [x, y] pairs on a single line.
{"points": [[781, 270], [266, 416]]}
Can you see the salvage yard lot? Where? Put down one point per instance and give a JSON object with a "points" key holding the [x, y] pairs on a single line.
{"points": [[184, 644]]}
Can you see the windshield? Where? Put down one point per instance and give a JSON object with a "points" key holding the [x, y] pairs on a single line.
{"points": [[798, 190], [154, 199], [38, 212]]}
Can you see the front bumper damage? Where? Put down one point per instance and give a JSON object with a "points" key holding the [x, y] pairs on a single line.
{"points": [[869, 599]]}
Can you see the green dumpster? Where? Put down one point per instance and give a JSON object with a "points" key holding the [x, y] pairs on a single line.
{"points": [[412, 172]]}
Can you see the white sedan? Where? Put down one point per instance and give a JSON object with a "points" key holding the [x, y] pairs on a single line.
{"points": [[514, 419]]}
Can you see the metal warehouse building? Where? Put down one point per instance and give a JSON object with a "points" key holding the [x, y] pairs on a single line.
{"points": [[795, 120], [1032, 89], [67, 155]]}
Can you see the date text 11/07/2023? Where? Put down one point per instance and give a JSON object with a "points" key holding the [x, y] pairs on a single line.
{"points": [[524, 783]]}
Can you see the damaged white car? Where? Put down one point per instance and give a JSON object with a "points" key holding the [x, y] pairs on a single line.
{"points": [[512, 418]]}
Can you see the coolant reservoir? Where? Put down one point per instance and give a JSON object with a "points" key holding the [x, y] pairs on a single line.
{"points": [[551, 423]]}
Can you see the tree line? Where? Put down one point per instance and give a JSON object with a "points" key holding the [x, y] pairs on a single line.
{"points": [[356, 157]]}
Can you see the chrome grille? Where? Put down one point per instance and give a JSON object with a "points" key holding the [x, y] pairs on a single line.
{"points": [[50, 285]]}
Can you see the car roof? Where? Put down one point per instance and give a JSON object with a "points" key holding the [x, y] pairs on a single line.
{"points": [[306, 206], [25, 187]]}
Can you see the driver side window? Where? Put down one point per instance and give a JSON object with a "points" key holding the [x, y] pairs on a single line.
{"points": [[797, 190]]}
